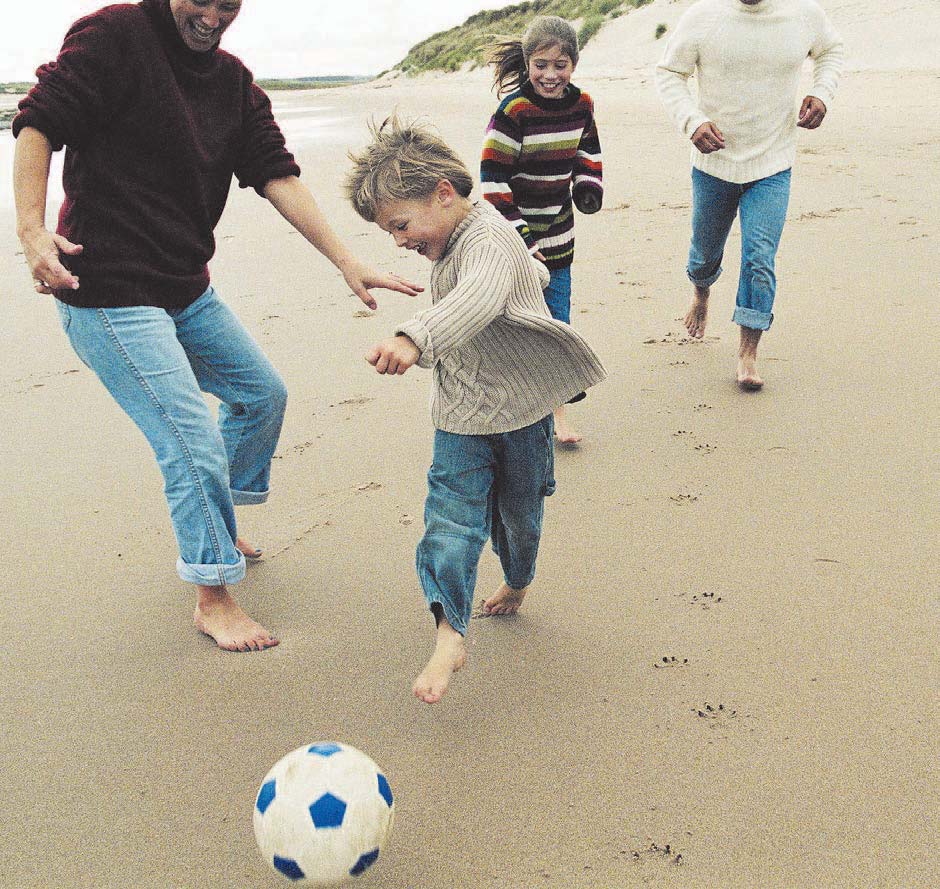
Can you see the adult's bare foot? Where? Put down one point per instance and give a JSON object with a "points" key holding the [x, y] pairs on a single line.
{"points": [[450, 654], [563, 432], [218, 615], [505, 600], [697, 314], [246, 549], [748, 377]]}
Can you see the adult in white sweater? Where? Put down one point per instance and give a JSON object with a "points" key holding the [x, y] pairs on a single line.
{"points": [[747, 56]]}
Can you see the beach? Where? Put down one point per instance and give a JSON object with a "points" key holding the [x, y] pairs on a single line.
{"points": [[726, 672]]}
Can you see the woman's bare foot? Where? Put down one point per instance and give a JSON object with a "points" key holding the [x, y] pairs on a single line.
{"points": [[449, 656], [246, 549], [505, 600], [697, 314], [563, 432], [218, 615], [748, 377]]}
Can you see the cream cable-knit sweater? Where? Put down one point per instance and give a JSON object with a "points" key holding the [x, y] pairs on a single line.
{"points": [[500, 360], [748, 61]]}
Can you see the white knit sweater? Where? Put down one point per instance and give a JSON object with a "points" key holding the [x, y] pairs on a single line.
{"points": [[748, 61], [500, 360]]}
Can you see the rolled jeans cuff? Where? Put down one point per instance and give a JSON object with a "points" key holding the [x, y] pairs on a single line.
{"points": [[455, 620], [752, 318], [705, 282], [211, 575], [249, 498]]}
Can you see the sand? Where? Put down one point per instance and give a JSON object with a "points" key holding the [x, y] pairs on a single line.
{"points": [[779, 546]]}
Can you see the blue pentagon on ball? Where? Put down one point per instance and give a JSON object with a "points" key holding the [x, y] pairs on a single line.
{"points": [[328, 811], [288, 867], [364, 863], [324, 749], [265, 796], [385, 790]]}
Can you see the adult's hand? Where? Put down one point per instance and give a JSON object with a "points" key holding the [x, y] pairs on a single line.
{"points": [[41, 249], [360, 278], [707, 138], [812, 112], [394, 355]]}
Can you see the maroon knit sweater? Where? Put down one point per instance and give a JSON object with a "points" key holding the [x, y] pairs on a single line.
{"points": [[154, 133]]}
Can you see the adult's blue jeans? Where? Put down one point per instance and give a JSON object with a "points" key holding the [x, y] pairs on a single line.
{"points": [[762, 206], [558, 294], [482, 486], [156, 365]]}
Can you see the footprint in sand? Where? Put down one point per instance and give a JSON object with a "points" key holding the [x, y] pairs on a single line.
{"points": [[362, 313], [684, 499], [705, 448], [655, 852], [681, 433], [668, 661], [702, 407], [714, 712]]}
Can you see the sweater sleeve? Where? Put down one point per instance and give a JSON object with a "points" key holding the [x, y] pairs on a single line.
{"points": [[77, 94], [480, 296], [263, 153], [501, 148], [677, 65], [827, 53], [588, 170]]}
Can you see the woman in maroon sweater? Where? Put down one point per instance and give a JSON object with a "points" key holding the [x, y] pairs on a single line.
{"points": [[156, 120]]}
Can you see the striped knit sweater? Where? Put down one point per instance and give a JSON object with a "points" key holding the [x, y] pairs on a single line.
{"points": [[500, 360], [534, 151]]}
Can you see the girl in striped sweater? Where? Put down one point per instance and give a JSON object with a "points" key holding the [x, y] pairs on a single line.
{"points": [[542, 154]]}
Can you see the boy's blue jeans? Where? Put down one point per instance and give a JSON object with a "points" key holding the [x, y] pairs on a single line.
{"points": [[156, 364], [763, 208], [558, 294], [483, 486]]}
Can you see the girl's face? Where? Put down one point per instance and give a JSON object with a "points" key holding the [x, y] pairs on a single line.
{"points": [[550, 70]]}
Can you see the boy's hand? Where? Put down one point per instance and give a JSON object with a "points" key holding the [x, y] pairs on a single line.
{"points": [[394, 355], [360, 277]]}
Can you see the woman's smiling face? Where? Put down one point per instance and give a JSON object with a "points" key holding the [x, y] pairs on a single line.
{"points": [[201, 23]]}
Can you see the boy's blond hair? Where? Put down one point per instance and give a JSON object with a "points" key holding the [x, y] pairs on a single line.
{"points": [[404, 162]]}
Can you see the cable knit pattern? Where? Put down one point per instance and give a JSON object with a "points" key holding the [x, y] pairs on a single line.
{"points": [[747, 61], [154, 133], [500, 360]]}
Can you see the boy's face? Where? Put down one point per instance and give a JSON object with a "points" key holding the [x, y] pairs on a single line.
{"points": [[423, 225]]}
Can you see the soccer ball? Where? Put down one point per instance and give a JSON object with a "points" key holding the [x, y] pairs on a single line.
{"points": [[323, 813]]}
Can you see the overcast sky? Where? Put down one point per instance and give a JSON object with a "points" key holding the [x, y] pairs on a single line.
{"points": [[275, 38]]}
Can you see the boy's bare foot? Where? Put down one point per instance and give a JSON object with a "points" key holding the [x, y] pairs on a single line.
{"points": [[697, 314], [246, 549], [218, 615], [748, 377], [449, 656], [505, 600], [563, 432]]}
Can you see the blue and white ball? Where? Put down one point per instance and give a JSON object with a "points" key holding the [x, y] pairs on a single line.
{"points": [[323, 814]]}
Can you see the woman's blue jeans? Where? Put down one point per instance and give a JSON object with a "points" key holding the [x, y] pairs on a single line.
{"points": [[482, 486], [156, 365], [763, 209]]}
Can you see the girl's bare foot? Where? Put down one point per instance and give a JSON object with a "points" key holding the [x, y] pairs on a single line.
{"points": [[563, 432], [218, 615], [748, 377], [505, 600], [697, 314], [449, 656], [246, 549]]}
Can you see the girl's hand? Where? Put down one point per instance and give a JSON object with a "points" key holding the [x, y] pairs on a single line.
{"points": [[394, 355], [360, 278]]}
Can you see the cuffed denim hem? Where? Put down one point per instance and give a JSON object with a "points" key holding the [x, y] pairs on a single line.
{"points": [[752, 318], [511, 582], [249, 498], [705, 282], [211, 575], [454, 619]]}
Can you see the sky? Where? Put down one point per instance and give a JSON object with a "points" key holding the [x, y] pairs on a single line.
{"points": [[275, 38]]}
